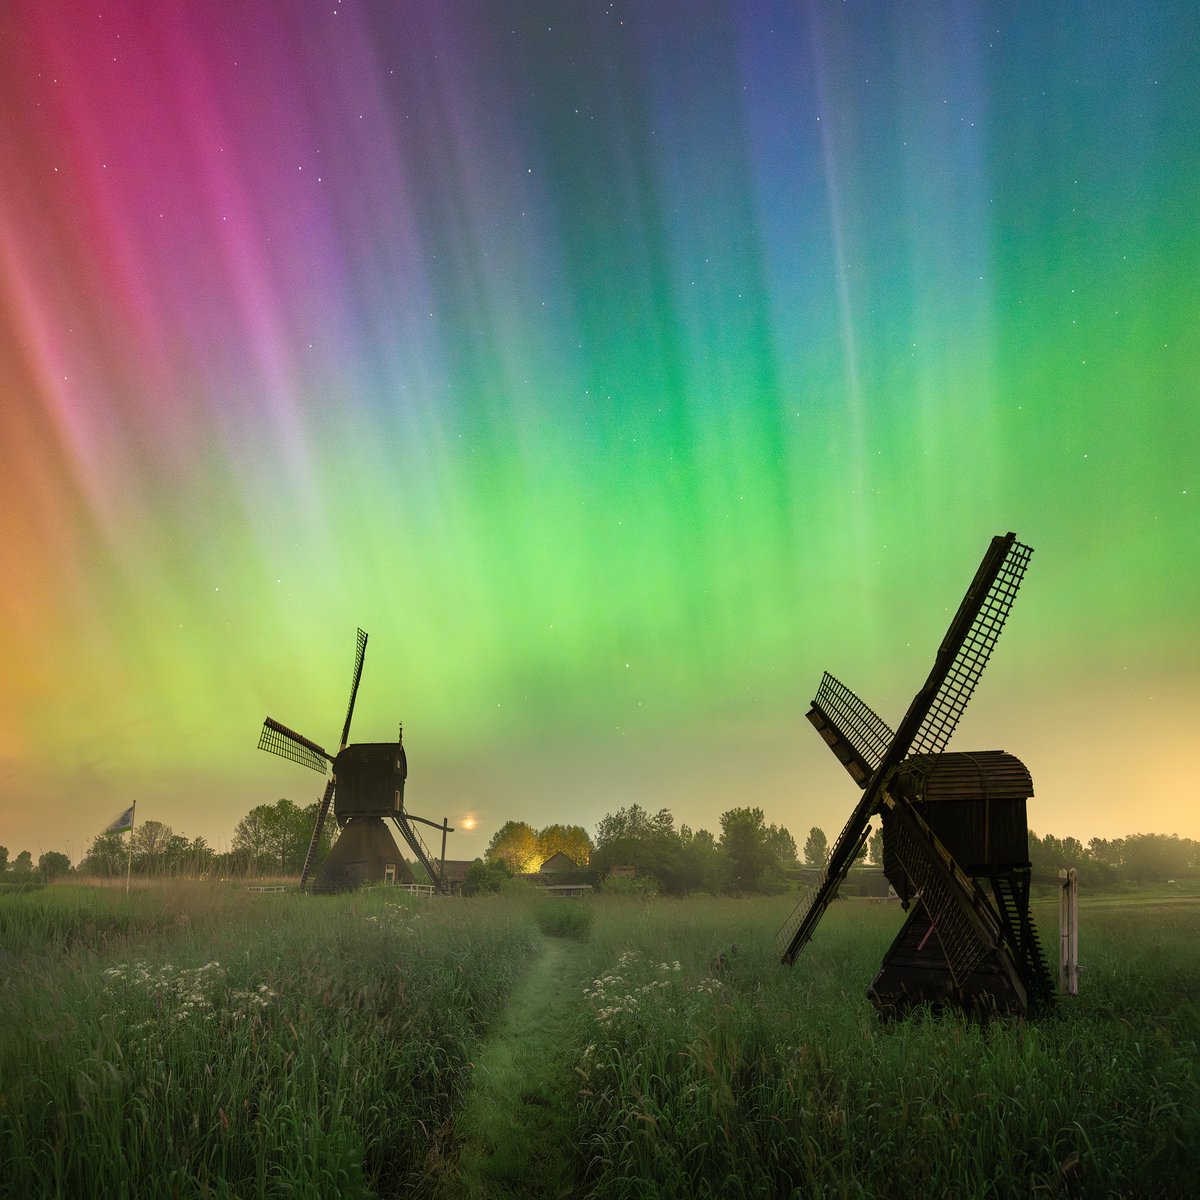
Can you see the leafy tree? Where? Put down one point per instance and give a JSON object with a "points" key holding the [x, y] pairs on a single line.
{"points": [[1102, 861], [175, 854], [106, 856], [1048, 853], [291, 834], [745, 844], [3, 859], [628, 824], [150, 842], [816, 848], [702, 865], [632, 837], [875, 847], [571, 840], [53, 864], [1154, 856], [198, 860], [1073, 849], [782, 846], [254, 836], [23, 864], [749, 856], [516, 845], [274, 838]]}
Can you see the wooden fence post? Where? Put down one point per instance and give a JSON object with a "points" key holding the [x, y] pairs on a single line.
{"points": [[1068, 932]]}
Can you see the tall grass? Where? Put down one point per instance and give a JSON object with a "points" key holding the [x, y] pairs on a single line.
{"points": [[203, 1041], [241, 1046], [716, 1073]]}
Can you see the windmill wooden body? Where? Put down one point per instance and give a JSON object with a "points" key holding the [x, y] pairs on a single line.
{"points": [[954, 825], [365, 789]]}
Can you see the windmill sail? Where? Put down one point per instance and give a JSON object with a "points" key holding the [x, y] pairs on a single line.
{"points": [[932, 716], [360, 654], [999, 576], [857, 735], [287, 743], [314, 840]]}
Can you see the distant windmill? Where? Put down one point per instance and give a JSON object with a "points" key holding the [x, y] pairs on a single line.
{"points": [[950, 823], [367, 786]]}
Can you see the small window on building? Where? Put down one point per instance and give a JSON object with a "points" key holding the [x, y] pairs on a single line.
{"points": [[389, 873]]}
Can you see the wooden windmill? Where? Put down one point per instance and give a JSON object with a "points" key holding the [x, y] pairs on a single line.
{"points": [[365, 789], [952, 823]]}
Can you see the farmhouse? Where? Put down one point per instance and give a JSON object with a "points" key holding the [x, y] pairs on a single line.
{"points": [[561, 875], [558, 864]]}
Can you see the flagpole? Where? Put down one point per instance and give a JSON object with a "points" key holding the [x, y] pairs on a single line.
{"points": [[129, 863]]}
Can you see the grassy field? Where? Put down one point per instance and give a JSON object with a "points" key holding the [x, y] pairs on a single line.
{"points": [[204, 1041]]}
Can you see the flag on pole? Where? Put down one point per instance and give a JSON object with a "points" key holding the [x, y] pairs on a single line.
{"points": [[123, 822]]}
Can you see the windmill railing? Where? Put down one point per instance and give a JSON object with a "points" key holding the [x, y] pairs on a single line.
{"points": [[315, 840], [433, 866]]}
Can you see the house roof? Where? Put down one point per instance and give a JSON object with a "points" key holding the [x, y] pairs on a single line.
{"points": [[559, 861]]}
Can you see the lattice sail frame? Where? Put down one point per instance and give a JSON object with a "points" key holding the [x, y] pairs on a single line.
{"points": [[855, 723], [972, 654], [359, 654], [287, 743], [931, 719]]}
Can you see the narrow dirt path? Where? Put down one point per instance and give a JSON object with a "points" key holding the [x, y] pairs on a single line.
{"points": [[515, 1128]]}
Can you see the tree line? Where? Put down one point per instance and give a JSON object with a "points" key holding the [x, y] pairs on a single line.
{"points": [[1138, 858], [748, 856], [271, 839]]}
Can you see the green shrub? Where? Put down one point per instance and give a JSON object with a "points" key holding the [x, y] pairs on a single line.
{"points": [[630, 885], [566, 918], [13, 887], [484, 877]]}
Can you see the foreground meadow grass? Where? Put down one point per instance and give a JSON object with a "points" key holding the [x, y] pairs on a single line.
{"points": [[750, 1080], [204, 1041], [207, 1042]]}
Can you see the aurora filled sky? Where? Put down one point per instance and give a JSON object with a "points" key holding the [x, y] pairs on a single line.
{"points": [[619, 367]]}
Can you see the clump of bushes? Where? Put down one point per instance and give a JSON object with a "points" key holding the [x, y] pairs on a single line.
{"points": [[630, 885], [484, 877], [565, 918], [13, 887]]}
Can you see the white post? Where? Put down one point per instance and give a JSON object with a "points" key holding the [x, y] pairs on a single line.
{"points": [[1068, 932]]}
